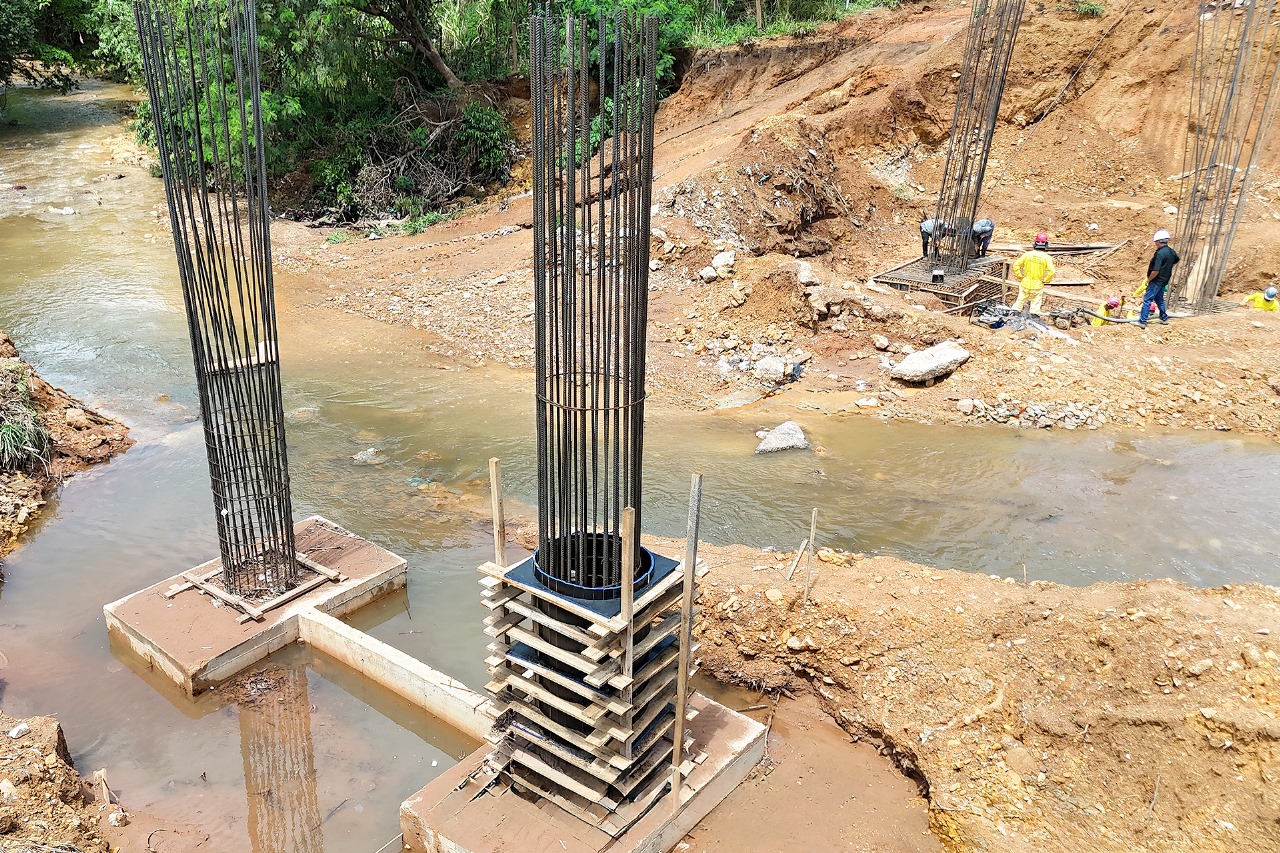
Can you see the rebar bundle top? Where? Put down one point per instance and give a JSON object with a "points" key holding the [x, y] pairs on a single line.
{"points": [[201, 66], [993, 29], [1232, 109], [592, 189]]}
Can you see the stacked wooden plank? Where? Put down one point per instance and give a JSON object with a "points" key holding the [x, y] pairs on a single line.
{"points": [[586, 701]]}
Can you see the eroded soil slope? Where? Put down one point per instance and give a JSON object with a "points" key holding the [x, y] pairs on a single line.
{"points": [[1120, 717], [79, 437]]}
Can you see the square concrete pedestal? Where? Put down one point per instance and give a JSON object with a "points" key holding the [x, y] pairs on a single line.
{"points": [[196, 644], [451, 815]]}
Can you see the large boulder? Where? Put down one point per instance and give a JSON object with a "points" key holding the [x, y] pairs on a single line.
{"points": [[785, 436], [933, 363]]}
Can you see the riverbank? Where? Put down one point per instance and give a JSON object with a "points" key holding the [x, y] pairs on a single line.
{"points": [[78, 437], [1035, 717]]}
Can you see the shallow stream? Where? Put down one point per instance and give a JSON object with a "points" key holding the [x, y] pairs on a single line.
{"points": [[91, 298]]}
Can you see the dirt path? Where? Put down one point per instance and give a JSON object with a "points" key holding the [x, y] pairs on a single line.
{"points": [[78, 436]]}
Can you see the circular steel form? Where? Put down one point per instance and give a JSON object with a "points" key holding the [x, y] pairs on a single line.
{"points": [[579, 565]]}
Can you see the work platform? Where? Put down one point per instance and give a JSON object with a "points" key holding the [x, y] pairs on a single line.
{"points": [[984, 279]]}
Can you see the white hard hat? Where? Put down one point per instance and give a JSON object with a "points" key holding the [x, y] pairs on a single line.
{"points": [[1270, 294], [1162, 236]]}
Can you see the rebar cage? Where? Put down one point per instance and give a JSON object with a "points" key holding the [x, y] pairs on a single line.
{"points": [[1232, 109], [592, 190], [201, 66], [993, 29]]}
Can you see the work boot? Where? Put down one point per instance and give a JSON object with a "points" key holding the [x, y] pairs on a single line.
{"points": [[1164, 321], [1142, 326]]}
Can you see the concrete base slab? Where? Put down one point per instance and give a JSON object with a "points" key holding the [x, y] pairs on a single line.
{"points": [[196, 645], [447, 816]]}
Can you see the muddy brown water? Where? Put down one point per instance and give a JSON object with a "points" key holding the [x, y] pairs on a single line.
{"points": [[92, 299]]}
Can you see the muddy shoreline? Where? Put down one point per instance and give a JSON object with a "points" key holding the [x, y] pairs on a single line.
{"points": [[79, 438]]}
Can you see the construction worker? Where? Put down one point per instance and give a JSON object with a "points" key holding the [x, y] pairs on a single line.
{"points": [[981, 236], [1264, 301], [1034, 269], [1159, 271], [1110, 308], [930, 231]]}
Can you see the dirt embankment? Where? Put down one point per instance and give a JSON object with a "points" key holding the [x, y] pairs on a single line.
{"points": [[1036, 717], [812, 159], [46, 805], [78, 437]]}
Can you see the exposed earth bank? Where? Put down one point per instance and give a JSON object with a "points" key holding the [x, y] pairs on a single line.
{"points": [[78, 437], [1036, 717]]}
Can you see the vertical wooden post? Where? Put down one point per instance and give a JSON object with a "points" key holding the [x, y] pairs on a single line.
{"points": [[628, 610], [499, 517], [686, 636], [808, 564], [515, 48], [759, 16]]}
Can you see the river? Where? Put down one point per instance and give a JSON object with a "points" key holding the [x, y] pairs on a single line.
{"points": [[91, 299]]}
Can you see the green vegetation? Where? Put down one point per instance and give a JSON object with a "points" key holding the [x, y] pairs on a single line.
{"points": [[1090, 8], [381, 109], [24, 441]]}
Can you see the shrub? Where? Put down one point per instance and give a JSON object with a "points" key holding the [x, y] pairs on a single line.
{"points": [[24, 441], [1090, 8], [482, 138]]}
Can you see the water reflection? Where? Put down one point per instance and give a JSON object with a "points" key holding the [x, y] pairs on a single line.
{"points": [[279, 763]]}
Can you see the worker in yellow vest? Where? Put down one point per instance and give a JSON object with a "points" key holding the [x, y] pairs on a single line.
{"points": [[1110, 308], [1034, 269], [1264, 301]]}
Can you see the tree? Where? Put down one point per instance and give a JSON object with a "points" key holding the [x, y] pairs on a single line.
{"points": [[408, 20]]}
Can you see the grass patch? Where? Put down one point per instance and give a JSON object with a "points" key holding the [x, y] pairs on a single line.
{"points": [[24, 441], [1090, 8], [719, 30]]}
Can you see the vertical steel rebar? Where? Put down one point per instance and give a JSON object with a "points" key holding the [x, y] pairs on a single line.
{"points": [[201, 67], [993, 29], [1232, 109], [592, 190]]}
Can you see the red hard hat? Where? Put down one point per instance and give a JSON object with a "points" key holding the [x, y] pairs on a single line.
{"points": [[1042, 237], [1113, 303]]}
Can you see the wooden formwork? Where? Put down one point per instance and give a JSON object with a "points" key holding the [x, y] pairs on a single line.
{"points": [[585, 701]]}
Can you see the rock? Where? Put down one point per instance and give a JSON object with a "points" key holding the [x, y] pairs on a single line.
{"points": [[867, 402], [771, 368], [965, 407], [1171, 209], [935, 362], [785, 436], [76, 418], [655, 265], [724, 261], [774, 595], [880, 342], [1200, 667], [806, 276], [795, 644], [1208, 713], [369, 456], [708, 274]]}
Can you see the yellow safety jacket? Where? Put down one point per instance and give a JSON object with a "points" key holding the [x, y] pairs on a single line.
{"points": [[1105, 312], [1034, 269], [1260, 301]]}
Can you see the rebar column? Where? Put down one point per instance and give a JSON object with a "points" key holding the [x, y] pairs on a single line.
{"points": [[201, 65], [993, 28], [592, 189], [1232, 109]]}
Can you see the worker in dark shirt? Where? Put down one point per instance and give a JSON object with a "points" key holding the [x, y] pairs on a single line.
{"points": [[981, 235], [1159, 271]]}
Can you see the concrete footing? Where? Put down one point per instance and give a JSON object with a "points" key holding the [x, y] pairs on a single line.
{"points": [[447, 816], [196, 644]]}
